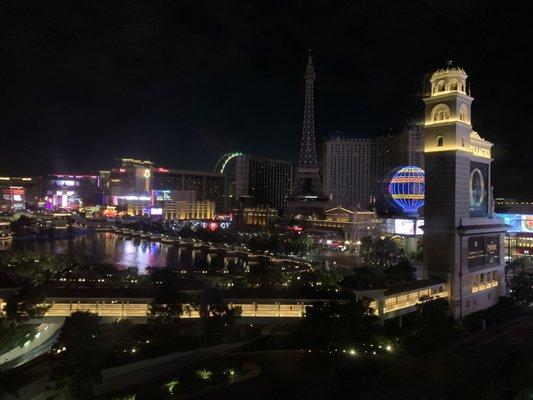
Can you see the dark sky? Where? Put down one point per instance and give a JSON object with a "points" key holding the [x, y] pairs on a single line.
{"points": [[181, 82]]}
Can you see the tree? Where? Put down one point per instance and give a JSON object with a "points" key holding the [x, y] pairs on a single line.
{"points": [[378, 252], [521, 288], [21, 225], [434, 312], [432, 328], [351, 322], [25, 303], [215, 314], [400, 272], [166, 307], [78, 358], [265, 275], [519, 264], [120, 338]]}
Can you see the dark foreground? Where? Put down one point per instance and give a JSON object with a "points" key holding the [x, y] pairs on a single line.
{"points": [[480, 368]]}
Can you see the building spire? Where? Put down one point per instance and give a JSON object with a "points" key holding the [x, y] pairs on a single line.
{"points": [[309, 71]]}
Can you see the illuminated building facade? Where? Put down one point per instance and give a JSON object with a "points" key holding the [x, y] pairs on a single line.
{"points": [[518, 214], [69, 191], [347, 171], [13, 198], [463, 241], [255, 216], [172, 209], [139, 178], [130, 178], [354, 168], [208, 186], [263, 181], [15, 192], [184, 210], [519, 237]]}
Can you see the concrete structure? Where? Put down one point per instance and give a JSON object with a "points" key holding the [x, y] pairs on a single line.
{"points": [[463, 242], [263, 182]]}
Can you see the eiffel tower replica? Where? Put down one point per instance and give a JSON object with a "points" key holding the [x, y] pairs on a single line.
{"points": [[308, 200]]}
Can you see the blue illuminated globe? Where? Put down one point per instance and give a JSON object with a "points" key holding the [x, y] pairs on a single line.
{"points": [[406, 188]]}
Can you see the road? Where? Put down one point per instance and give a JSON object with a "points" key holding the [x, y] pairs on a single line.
{"points": [[36, 346]]}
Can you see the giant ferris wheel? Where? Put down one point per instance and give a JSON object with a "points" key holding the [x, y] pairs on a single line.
{"points": [[225, 159]]}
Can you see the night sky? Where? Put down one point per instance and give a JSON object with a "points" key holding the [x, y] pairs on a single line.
{"points": [[182, 82]]}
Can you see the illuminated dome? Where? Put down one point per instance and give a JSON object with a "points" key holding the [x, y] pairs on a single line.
{"points": [[406, 188]]}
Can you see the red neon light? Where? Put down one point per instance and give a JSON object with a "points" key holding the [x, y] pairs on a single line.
{"points": [[296, 228], [162, 170]]}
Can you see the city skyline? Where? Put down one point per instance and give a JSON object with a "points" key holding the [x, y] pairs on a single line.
{"points": [[314, 199], [85, 107]]}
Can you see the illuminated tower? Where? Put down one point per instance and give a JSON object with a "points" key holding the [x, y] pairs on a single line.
{"points": [[463, 243], [307, 180]]}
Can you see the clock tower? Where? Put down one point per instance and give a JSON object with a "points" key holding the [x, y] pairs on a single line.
{"points": [[463, 242]]}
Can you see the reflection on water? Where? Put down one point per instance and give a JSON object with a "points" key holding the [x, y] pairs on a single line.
{"points": [[126, 252]]}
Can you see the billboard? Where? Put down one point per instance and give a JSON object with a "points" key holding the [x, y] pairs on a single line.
{"points": [[404, 226], [483, 251], [478, 189], [156, 211], [519, 223], [162, 195]]}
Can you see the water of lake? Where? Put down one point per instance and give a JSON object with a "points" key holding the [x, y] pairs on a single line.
{"points": [[125, 252]]}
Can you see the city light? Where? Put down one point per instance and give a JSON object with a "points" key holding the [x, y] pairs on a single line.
{"points": [[407, 187]]}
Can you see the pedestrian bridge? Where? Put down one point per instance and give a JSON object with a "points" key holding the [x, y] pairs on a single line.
{"points": [[127, 309]]}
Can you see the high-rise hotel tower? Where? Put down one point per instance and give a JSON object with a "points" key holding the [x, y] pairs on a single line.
{"points": [[463, 242]]}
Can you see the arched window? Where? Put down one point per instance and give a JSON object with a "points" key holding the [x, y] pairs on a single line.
{"points": [[440, 140], [463, 113], [453, 84], [440, 112], [441, 86]]}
